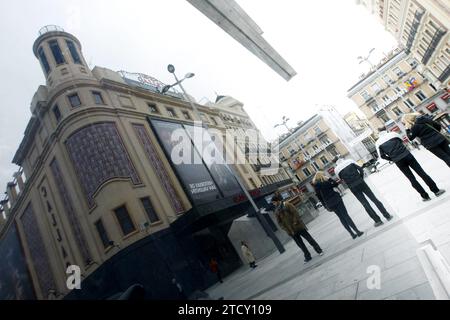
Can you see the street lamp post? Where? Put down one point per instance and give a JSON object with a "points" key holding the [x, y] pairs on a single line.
{"points": [[285, 120], [260, 218], [284, 123]]}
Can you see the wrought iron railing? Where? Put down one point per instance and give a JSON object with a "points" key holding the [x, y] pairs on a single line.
{"points": [[50, 28]]}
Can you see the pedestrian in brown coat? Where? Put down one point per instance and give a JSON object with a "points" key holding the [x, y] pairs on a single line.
{"points": [[289, 220]]}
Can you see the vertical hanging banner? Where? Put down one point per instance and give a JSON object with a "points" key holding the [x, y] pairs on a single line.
{"points": [[197, 161], [186, 161], [214, 160]]}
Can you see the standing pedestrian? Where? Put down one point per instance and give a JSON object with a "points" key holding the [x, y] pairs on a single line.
{"points": [[429, 133], [391, 147], [332, 201], [181, 294], [353, 175], [214, 266], [289, 220], [248, 255]]}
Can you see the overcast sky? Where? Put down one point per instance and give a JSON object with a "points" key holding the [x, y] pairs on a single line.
{"points": [[320, 39]]}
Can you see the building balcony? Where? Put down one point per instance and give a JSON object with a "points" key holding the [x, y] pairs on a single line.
{"points": [[433, 44], [50, 28], [320, 149], [445, 74], [369, 99], [415, 26]]}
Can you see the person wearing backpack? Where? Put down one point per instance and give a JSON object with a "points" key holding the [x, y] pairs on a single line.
{"points": [[353, 175], [390, 147], [429, 133]]}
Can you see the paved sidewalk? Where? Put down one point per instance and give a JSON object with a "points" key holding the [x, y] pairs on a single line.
{"points": [[342, 272]]}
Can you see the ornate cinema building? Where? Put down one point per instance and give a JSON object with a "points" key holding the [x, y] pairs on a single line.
{"points": [[97, 188]]}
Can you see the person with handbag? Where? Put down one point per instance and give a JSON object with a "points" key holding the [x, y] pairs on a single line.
{"points": [[353, 175], [214, 266], [289, 220], [332, 201], [429, 133], [390, 147]]}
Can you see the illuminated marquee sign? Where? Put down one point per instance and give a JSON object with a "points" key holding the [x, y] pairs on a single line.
{"points": [[147, 82]]}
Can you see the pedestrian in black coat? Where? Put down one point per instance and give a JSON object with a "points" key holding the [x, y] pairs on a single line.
{"points": [[429, 133], [332, 201], [390, 146], [353, 175]]}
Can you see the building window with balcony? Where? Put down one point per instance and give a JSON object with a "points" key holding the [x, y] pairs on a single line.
{"points": [[408, 103], [397, 111], [315, 148], [98, 98], [387, 79], [171, 112], [324, 140], [324, 160], [420, 95], [383, 117], [56, 51], [186, 115], [412, 62], [432, 87], [124, 220], [152, 108], [74, 100], [315, 165], [44, 60], [398, 72], [148, 207], [291, 151], [365, 95], [306, 172], [333, 151], [56, 112], [103, 235], [374, 106]]}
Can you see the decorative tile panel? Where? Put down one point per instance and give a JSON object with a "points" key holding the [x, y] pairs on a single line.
{"points": [[98, 155], [36, 247], [70, 211], [158, 167]]}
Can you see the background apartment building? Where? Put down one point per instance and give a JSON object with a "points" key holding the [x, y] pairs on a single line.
{"points": [[315, 143], [98, 188], [395, 87], [421, 28], [254, 149]]}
